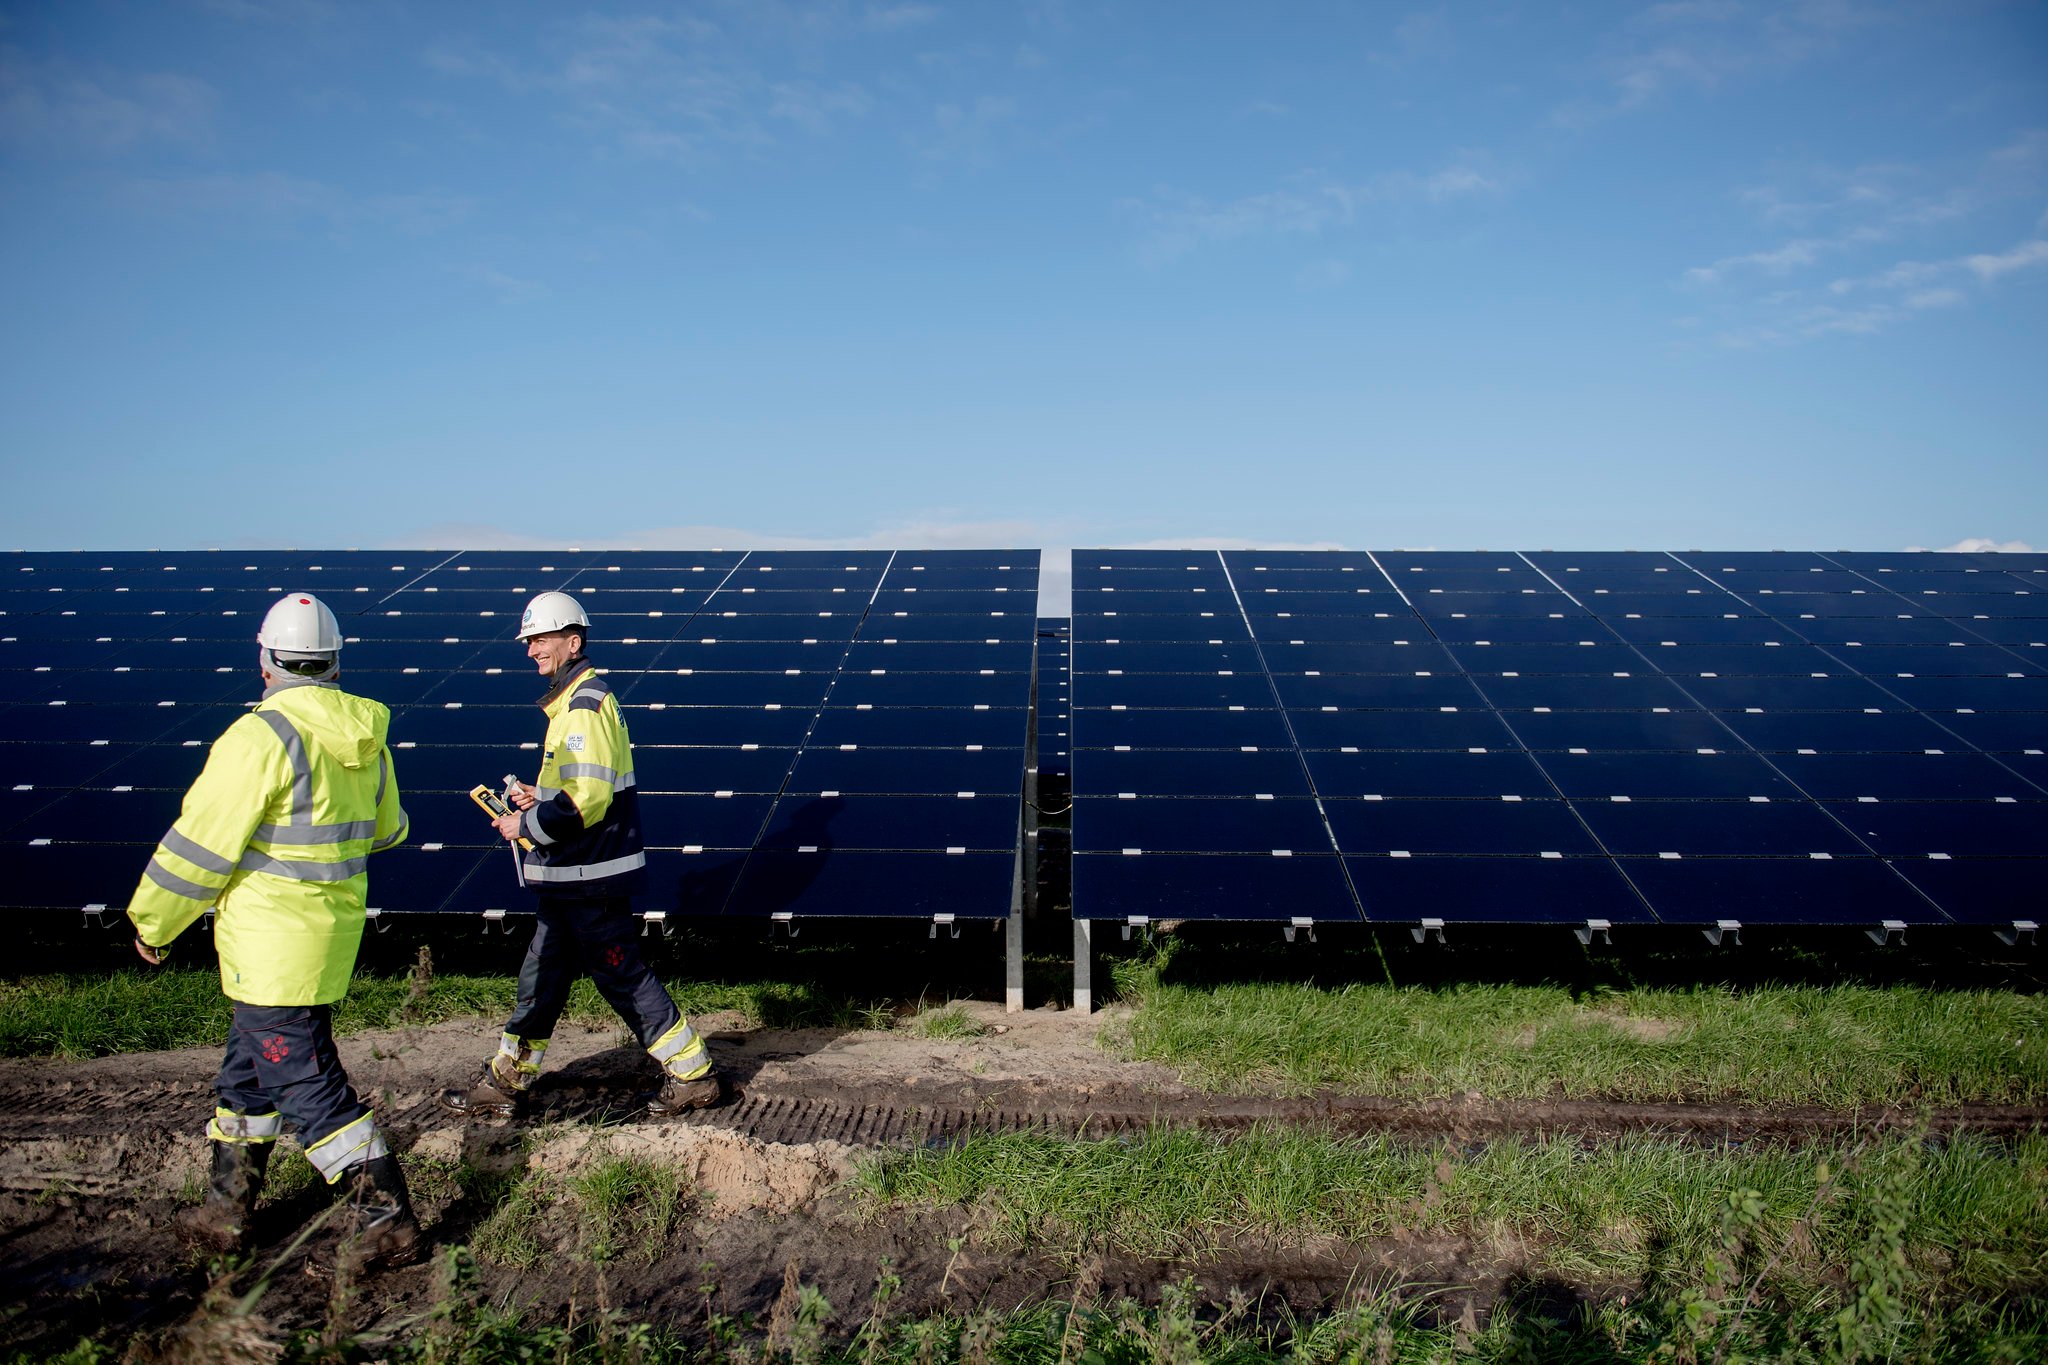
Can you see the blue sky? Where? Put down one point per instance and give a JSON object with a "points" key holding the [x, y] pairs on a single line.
{"points": [[1704, 273]]}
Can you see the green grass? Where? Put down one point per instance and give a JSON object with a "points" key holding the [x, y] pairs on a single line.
{"points": [[1847, 1045], [946, 1023], [628, 1205], [78, 1015], [1627, 1210]]}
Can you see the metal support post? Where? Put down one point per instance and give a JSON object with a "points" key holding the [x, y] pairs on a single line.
{"points": [[1084, 965]]}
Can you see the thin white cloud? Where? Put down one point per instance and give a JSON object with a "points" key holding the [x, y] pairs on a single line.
{"points": [[888, 17], [966, 133], [1173, 224], [1324, 274], [510, 288], [1977, 545], [53, 107], [271, 202], [1990, 266]]}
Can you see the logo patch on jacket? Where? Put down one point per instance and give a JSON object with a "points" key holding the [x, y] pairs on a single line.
{"points": [[573, 743], [275, 1049]]}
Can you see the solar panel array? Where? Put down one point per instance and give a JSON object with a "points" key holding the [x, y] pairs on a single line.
{"points": [[815, 733], [1617, 738]]}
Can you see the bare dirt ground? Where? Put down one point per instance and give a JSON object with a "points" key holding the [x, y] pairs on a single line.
{"points": [[96, 1157]]}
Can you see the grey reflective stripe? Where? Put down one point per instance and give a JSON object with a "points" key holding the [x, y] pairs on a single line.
{"points": [[252, 861], [302, 767], [383, 774], [347, 1146], [596, 770], [228, 1126], [178, 886], [199, 855], [546, 793], [316, 834], [530, 827], [625, 780], [682, 1038], [589, 699], [397, 836], [584, 872]]}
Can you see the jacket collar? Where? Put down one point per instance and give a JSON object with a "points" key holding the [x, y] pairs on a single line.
{"points": [[568, 677], [287, 684]]}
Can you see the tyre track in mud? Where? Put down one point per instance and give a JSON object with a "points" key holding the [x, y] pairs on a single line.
{"points": [[85, 1114]]}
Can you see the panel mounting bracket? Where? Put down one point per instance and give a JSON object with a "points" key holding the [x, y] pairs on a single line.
{"points": [[651, 920], [96, 915], [1143, 922], [498, 918], [1428, 929], [373, 915], [784, 920], [1724, 929], [2022, 930], [952, 928], [1298, 923], [1593, 928], [1887, 932]]}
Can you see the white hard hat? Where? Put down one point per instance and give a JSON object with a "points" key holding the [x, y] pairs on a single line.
{"points": [[300, 623], [552, 611]]}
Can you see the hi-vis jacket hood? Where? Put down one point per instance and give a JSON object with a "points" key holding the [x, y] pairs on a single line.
{"points": [[276, 835]]}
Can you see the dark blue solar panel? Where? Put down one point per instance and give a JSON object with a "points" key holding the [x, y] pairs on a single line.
{"points": [[753, 601], [1527, 604], [768, 725], [761, 768], [115, 724], [1016, 623], [1840, 731], [2028, 634], [1903, 777], [1159, 886], [1978, 828], [1198, 825], [940, 656], [672, 820], [850, 882], [921, 726], [1999, 730], [1388, 774], [1375, 629], [1376, 691], [1740, 661], [1837, 692], [1168, 656], [1182, 729], [1528, 828], [55, 765], [1210, 690], [1640, 690], [1664, 775], [1790, 827], [1495, 890], [837, 626], [1671, 731], [1224, 626], [890, 687], [1571, 658], [696, 650], [1471, 728], [1989, 891], [82, 815], [701, 688], [931, 823], [1190, 772], [908, 772], [1701, 630], [72, 875], [1409, 656], [449, 724], [1978, 694], [414, 879], [1701, 891], [148, 765]]}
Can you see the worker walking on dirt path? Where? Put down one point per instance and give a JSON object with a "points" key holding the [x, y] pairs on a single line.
{"points": [[581, 823], [275, 836]]}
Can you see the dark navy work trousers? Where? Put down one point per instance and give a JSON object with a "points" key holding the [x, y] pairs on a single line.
{"points": [[282, 1058], [598, 936]]}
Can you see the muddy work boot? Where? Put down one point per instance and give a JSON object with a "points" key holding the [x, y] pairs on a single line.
{"points": [[221, 1225], [374, 1228], [680, 1097], [494, 1094]]}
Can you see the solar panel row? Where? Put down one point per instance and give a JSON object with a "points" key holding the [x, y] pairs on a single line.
{"points": [[1560, 738], [815, 732]]}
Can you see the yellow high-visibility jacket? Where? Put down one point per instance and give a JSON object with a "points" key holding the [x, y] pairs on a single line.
{"points": [[585, 826], [275, 835]]}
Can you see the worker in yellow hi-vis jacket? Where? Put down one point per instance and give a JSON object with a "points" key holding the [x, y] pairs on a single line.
{"points": [[583, 822], [275, 836]]}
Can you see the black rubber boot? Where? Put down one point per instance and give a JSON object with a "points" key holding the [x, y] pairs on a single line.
{"points": [[374, 1229], [221, 1224], [490, 1095]]}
